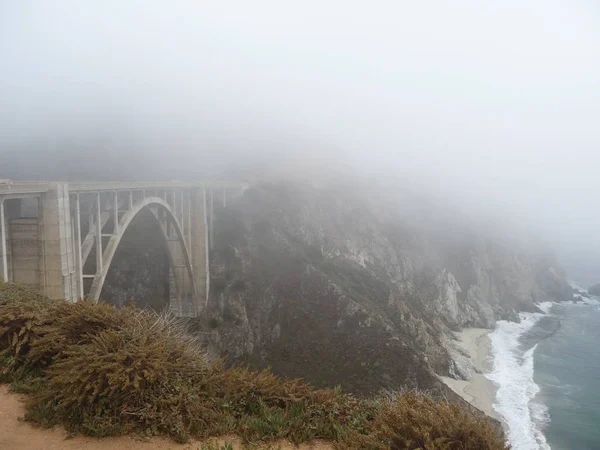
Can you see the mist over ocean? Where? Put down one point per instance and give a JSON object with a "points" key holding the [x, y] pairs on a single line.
{"points": [[547, 369]]}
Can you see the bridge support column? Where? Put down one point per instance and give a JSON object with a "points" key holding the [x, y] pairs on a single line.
{"points": [[200, 244], [59, 277], [192, 211], [182, 290], [3, 243]]}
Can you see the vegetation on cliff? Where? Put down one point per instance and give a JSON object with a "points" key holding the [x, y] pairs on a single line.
{"points": [[102, 371]]}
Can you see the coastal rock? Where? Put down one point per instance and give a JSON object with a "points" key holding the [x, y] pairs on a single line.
{"points": [[447, 303], [594, 290], [340, 285]]}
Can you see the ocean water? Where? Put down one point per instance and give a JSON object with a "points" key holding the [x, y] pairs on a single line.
{"points": [[547, 370]]}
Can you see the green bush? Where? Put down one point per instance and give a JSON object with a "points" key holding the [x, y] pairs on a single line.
{"points": [[104, 371]]}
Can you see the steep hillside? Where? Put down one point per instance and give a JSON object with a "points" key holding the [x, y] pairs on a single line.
{"points": [[339, 284]]}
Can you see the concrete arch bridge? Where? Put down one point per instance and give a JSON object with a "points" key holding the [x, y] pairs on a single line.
{"points": [[61, 238]]}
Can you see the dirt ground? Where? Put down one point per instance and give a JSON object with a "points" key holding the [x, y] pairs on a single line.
{"points": [[18, 435]]}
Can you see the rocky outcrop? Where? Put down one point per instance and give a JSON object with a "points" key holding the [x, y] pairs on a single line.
{"points": [[343, 286], [594, 290]]}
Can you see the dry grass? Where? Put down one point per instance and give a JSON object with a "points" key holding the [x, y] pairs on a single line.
{"points": [[105, 371], [413, 420]]}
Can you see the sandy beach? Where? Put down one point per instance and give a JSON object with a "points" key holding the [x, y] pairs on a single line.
{"points": [[479, 391]]}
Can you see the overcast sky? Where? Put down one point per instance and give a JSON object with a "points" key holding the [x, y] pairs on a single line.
{"points": [[498, 102]]}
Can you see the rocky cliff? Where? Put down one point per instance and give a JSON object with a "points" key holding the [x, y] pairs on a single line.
{"points": [[339, 284]]}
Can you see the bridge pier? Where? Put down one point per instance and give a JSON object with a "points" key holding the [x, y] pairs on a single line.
{"points": [[58, 263], [200, 251], [4, 248]]}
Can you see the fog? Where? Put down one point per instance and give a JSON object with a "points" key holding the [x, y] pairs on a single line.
{"points": [[494, 104]]}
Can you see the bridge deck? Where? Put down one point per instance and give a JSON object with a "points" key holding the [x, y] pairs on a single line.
{"points": [[22, 188], [17, 189]]}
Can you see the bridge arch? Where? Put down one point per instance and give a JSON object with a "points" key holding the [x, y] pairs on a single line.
{"points": [[113, 244]]}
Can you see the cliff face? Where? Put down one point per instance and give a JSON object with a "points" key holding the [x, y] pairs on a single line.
{"points": [[338, 286]]}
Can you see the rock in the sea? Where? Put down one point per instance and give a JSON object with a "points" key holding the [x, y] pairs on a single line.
{"points": [[594, 290]]}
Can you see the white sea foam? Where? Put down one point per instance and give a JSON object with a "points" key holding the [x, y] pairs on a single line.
{"points": [[513, 374], [545, 306], [592, 300]]}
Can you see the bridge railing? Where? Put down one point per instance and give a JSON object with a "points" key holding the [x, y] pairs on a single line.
{"points": [[8, 187]]}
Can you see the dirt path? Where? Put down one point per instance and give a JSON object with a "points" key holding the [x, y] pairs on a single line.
{"points": [[18, 435]]}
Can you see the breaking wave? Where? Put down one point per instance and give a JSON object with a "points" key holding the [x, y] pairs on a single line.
{"points": [[524, 415]]}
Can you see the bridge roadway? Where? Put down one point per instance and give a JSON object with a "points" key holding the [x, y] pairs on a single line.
{"points": [[61, 237]]}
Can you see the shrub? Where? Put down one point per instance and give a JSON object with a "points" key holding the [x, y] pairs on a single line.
{"points": [[265, 406], [413, 420], [34, 330], [135, 378], [216, 446], [22, 311], [102, 371], [18, 293], [66, 324]]}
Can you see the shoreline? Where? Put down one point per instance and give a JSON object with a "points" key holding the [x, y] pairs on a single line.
{"points": [[479, 391]]}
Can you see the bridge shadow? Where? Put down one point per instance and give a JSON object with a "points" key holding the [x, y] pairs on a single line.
{"points": [[139, 272]]}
